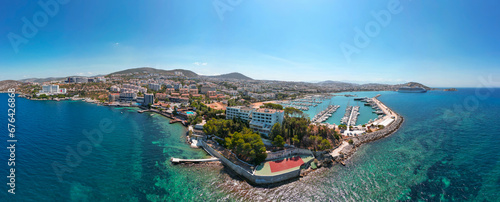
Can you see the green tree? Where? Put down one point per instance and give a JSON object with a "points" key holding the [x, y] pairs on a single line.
{"points": [[275, 131], [296, 140], [279, 141], [324, 145], [175, 113], [247, 145], [272, 106]]}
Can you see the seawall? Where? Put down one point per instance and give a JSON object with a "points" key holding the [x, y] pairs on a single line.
{"points": [[248, 175]]}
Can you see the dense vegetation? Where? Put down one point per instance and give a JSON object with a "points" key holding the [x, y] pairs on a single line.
{"points": [[222, 127], [272, 106], [247, 145], [238, 138], [202, 110], [298, 130], [44, 96]]}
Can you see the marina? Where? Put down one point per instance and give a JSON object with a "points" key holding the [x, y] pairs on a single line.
{"points": [[325, 114], [365, 110]]}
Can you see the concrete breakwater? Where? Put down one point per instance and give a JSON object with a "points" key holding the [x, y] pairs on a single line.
{"points": [[369, 137], [390, 129]]}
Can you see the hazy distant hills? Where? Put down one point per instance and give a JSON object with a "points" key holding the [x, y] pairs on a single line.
{"points": [[234, 75], [330, 82], [346, 84], [41, 80], [415, 84], [187, 73], [6, 84]]}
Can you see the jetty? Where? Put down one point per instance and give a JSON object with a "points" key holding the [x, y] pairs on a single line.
{"points": [[353, 116], [178, 160], [347, 114], [325, 114]]}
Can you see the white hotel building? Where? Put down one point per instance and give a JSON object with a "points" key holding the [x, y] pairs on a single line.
{"points": [[261, 120], [52, 89]]}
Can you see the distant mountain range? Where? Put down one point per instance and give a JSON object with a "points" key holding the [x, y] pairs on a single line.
{"points": [[234, 75], [41, 80], [187, 73], [229, 76]]}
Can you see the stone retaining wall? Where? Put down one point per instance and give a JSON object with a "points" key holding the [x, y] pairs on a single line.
{"points": [[255, 179], [288, 152], [393, 127]]}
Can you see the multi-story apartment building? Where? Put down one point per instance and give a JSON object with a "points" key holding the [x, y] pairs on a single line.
{"points": [[128, 96], [260, 120], [154, 86], [148, 99], [241, 112], [161, 96], [114, 89], [263, 119]]}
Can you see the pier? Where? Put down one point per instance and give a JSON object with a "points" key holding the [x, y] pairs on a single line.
{"points": [[177, 160], [354, 116], [325, 114], [350, 116]]}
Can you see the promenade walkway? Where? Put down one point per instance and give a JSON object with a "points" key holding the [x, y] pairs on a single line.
{"points": [[336, 152], [177, 160]]}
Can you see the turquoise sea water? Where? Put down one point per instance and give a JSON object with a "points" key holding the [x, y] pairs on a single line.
{"points": [[447, 149], [130, 164]]}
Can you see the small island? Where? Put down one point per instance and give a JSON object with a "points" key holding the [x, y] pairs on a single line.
{"points": [[450, 89]]}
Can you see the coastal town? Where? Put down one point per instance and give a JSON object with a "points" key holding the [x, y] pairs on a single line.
{"points": [[259, 129]]}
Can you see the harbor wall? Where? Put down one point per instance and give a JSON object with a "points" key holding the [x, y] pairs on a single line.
{"points": [[288, 152], [255, 179], [391, 128]]}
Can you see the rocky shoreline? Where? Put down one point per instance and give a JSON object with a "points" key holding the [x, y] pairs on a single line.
{"points": [[349, 150]]}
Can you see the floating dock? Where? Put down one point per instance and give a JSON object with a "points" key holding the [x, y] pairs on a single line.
{"points": [[325, 114]]}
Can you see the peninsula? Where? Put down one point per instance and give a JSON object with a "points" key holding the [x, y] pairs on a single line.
{"points": [[259, 129]]}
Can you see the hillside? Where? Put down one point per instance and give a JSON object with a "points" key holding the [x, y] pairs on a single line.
{"points": [[234, 75], [41, 80], [150, 70], [415, 84], [6, 84]]}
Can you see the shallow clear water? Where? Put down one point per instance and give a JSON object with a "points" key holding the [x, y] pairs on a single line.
{"points": [[130, 163], [440, 153]]}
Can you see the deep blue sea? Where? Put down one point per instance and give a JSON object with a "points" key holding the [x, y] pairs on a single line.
{"points": [[448, 149]]}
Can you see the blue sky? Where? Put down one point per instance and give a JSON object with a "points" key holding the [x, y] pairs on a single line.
{"points": [[439, 43]]}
